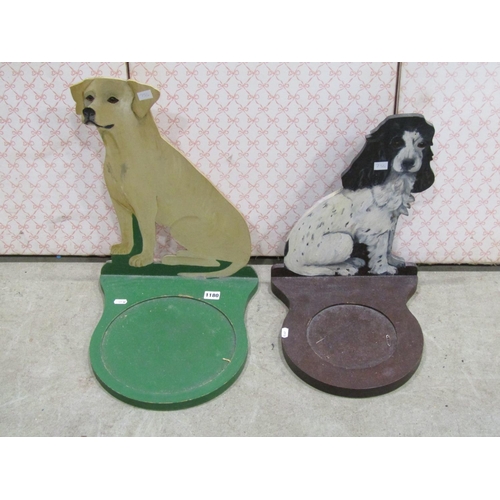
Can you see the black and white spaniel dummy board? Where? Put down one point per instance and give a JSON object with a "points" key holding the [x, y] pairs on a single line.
{"points": [[348, 330]]}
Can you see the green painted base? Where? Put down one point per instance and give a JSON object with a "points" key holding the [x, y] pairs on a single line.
{"points": [[166, 342], [169, 342]]}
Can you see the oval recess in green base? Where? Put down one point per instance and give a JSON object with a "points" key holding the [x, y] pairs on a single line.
{"points": [[167, 352]]}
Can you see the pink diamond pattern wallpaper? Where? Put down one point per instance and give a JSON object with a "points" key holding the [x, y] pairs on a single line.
{"points": [[458, 219], [52, 196], [273, 137]]}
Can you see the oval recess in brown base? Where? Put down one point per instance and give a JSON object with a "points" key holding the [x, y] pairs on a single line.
{"points": [[350, 335]]}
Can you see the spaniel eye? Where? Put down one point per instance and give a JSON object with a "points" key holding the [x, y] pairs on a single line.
{"points": [[397, 143], [422, 144], [90, 98], [113, 100]]}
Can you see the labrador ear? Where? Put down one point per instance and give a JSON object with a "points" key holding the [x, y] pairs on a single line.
{"points": [[144, 97], [77, 91]]}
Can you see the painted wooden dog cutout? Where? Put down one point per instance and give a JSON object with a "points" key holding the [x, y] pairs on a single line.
{"points": [[377, 189], [147, 177]]}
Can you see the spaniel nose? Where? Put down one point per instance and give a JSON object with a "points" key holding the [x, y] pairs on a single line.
{"points": [[408, 163], [88, 114]]}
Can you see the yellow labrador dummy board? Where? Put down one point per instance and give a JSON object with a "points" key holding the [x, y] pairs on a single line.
{"points": [[148, 178], [168, 338]]}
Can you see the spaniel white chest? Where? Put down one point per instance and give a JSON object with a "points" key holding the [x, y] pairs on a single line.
{"points": [[376, 210]]}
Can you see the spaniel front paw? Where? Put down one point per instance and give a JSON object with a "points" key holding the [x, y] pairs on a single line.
{"points": [[393, 260], [384, 269]]}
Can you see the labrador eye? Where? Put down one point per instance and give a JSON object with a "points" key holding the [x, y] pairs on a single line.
{"points": [[113, 100], [90, 98]]}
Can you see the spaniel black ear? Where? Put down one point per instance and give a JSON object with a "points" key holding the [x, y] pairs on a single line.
{"points": [[363, 172], [425, 176]]}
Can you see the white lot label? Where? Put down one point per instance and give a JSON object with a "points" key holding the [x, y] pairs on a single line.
{"points": [[381, 165], [145, 94], [120, 301], [284, 333], [212, 295]]}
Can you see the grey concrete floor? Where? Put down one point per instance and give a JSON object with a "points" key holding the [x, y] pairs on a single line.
{"points": [[47, 388]]}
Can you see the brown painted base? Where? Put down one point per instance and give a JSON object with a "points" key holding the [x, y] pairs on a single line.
{"points": [[350, 335]]}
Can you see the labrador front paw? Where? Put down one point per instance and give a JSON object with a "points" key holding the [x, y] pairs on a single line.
{"points": [[121, 249], [140, 260]]}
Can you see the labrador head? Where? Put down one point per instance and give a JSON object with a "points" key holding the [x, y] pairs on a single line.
{"points": [[109, 102]]}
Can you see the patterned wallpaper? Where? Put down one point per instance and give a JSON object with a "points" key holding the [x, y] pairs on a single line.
{"points": [[458, 219], [52, 195], [274, 137]]}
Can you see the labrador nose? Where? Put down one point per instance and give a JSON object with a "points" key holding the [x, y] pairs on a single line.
{"points": [[88, 114]]}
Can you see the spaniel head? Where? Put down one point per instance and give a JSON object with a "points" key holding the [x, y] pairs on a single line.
{"points": [[402, 144]]}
